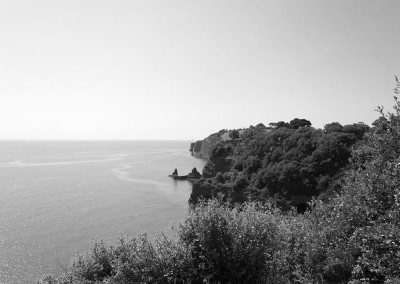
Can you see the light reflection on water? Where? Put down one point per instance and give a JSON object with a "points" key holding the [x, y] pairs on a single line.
{"points": [[55, 197]]}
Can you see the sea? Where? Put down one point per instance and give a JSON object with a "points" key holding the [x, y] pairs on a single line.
{"points": [[57, 197]]}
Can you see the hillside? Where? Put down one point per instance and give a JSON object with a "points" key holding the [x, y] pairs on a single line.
{"points": [[289, 162]]}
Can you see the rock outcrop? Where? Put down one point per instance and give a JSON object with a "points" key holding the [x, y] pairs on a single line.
{"points": [[218, 152], [203, 148]]}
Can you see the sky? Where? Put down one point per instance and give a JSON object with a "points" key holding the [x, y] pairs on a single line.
{"points": [[181, 70]]}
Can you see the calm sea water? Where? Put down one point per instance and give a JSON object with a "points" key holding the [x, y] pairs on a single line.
{"points": [[55, 197]]}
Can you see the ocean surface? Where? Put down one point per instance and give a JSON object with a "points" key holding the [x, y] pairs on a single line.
{"points": [[58, 196]]}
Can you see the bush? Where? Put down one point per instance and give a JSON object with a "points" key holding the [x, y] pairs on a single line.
{"points": [[209, 170], [239, 245]]}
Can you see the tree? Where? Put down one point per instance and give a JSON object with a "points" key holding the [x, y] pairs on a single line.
{"points": [[365, 217], [297, 123], [358, 129], [333, 127], [281, 124], [260, 126], [234, 134]]}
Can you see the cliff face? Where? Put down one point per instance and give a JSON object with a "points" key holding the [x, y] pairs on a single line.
{"points": [[218, 152], [203, 148]]}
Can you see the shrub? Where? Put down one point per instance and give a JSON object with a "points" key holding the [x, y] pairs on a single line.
{"points": [[239, 245]]}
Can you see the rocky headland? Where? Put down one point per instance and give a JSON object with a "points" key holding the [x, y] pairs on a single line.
{"points": [[290, 162]]}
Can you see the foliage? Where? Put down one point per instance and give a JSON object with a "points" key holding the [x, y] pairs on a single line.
{"points": [[297, 123], [234, 134], [239, 245], [293, 124], [360, 227], [209, 170], [197, 146], [293, 159], [352, 236]]}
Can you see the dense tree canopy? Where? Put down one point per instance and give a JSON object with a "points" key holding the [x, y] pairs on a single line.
{"points": [[234, 134], [291, 159]]}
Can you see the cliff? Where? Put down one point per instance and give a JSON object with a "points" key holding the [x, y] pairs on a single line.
{"points": [[203, 148], [290, 162], [218, 150]]}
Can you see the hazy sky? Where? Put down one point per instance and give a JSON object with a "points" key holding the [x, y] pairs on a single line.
{"points": [[185, 69]]}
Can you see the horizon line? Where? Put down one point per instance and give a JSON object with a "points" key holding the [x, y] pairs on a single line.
{"points": [[89, 140]]}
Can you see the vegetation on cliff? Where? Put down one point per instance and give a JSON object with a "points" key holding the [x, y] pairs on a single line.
{"points": [[290, 162], [352, 236]]}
